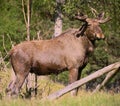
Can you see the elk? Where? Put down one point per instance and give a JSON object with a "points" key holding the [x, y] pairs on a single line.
{"points": [[68, 51]]}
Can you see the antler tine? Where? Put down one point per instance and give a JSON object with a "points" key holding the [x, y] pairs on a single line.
{"points": [[101, 18], [81, 17], [95, 13], [101, 15], [104, 20]]}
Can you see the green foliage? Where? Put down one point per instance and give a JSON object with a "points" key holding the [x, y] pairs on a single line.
{"points": [[62, 78], [11, 26]]}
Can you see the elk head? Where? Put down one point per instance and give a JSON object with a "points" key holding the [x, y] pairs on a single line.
{"points": [[93, 30]]}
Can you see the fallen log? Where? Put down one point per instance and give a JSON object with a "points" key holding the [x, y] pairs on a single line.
{"points": [[108, 76], [84, 80]]}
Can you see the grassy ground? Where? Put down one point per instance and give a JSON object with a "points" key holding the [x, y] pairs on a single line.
{"points": [[83, 99], [47, 87]]}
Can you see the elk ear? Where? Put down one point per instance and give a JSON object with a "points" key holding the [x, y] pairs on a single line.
{"points": [[100, 16]]}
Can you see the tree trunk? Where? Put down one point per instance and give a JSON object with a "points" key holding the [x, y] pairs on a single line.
{"points": [[28, 19], [84, 80], [58, 18]]}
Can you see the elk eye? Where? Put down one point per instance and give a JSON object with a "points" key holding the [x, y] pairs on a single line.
{"points": [[89, 25]]}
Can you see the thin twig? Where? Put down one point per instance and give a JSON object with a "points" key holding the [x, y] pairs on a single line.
{"points": [[4, 45], [10, 40], [23, 10], [108, 76]]}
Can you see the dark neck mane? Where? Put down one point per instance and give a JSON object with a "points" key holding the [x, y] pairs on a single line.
{"points": [[82, 30]]}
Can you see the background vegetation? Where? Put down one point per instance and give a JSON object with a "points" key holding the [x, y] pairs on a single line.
{"points": [[13, 31]]}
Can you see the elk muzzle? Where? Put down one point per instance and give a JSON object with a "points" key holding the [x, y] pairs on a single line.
{"points": [[100, 36]]}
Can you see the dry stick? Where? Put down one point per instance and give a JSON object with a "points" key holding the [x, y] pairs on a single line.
{"points": [[38, 35], [2, 60], [83, 81], [23, 9], [109, 75], [4, 45], [1, 57], [10, 40], [2, 64]]}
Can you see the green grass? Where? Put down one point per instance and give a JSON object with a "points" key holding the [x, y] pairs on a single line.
{"points": [[46, 87], [83, 99]]}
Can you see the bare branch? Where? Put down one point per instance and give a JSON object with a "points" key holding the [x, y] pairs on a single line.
{"points": [[23, 10], [109, 75], [4, 45], [10, 40], [39, 37], [2, 63]]}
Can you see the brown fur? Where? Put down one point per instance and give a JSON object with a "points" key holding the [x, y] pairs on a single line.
{"points": [[44, 57]]}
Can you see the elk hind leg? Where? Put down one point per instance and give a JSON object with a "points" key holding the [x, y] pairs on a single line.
{"points": [[15, 85]]}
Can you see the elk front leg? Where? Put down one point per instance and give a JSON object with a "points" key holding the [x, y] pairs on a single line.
{"points": [[73, 76]]}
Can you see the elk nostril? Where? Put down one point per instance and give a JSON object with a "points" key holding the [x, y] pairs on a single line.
{"points": [[103, 38]]}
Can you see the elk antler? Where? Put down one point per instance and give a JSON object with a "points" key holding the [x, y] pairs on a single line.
{"points": [[100, 16], [101, 19], [95, 13], [104, 20], [81, 17]]}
